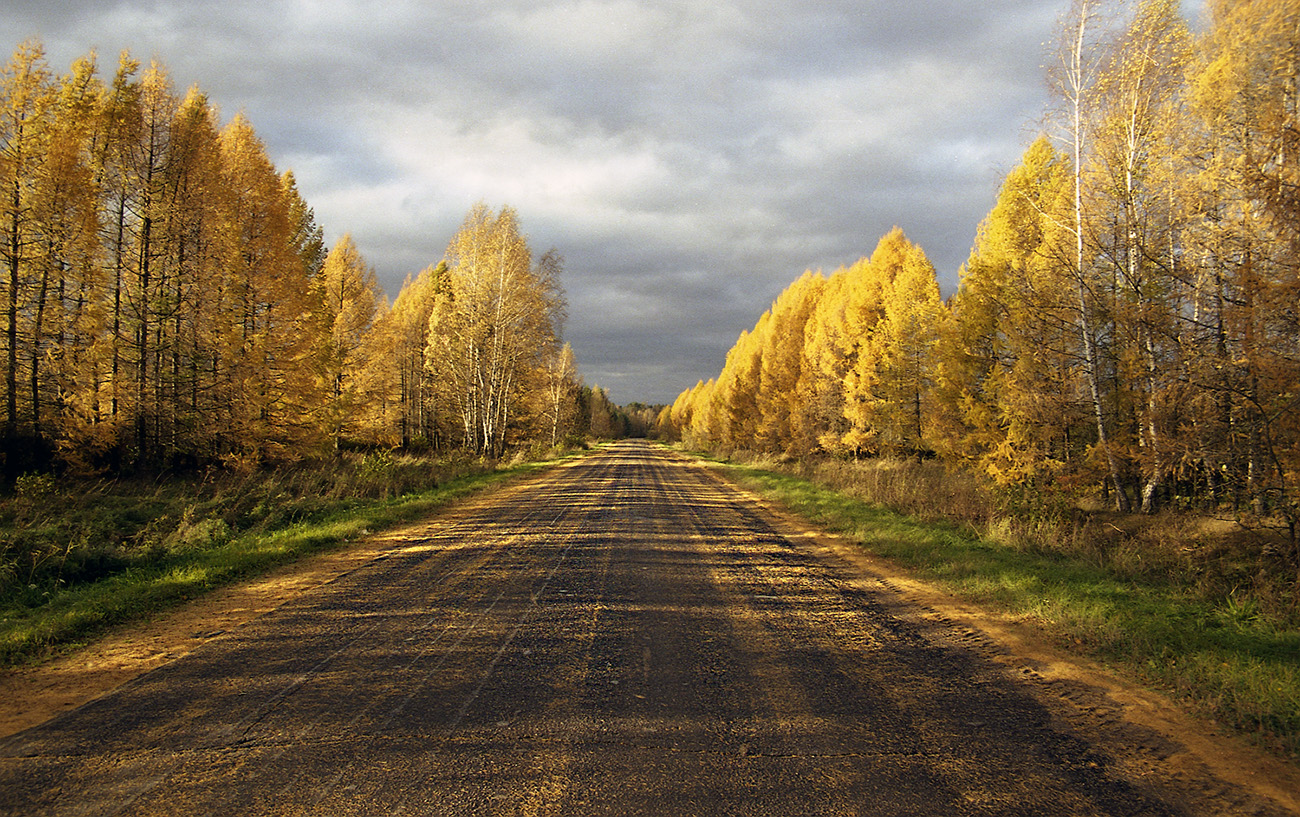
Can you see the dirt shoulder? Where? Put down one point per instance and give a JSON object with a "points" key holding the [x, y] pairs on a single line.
{"points": [[1149, 737], [31, 695], [1157, 743]]}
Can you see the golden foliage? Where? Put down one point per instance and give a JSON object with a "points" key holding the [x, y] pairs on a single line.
{"points": [[1128, 313], [167, 299]]}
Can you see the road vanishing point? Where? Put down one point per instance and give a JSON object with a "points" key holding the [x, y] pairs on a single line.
{"points": [[628, 633]]}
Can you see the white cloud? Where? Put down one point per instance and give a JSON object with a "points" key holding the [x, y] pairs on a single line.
{"points": [[544, 163]]}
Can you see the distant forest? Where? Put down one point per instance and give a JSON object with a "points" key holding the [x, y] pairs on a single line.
{"points": [[166, 299], [1129, 317]]}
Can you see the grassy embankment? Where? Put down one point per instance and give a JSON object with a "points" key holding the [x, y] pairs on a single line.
{"points": [[1196, 607], [77, 558]]}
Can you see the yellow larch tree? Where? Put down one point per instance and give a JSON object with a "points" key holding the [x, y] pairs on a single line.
{"points": [[265, 351], [708, 428], [1244, 212], [835, 337], [193, 246], [402, 395], [65, 211], [1009, 358], [781, 366], [142, 275], [677, 421], [738, 387], [345, 298], [887, 388], [818, 425], [26, 102]]}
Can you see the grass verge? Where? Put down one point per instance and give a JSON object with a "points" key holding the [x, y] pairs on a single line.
{"points": [[200, 552], [1225, 660]]}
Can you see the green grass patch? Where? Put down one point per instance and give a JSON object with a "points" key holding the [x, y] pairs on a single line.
{"points": [[76, 564], [1224, 658]]}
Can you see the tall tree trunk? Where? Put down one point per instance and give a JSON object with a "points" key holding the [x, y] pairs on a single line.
{"points": [[142, 335], [119, 264], [1077, 84], [37, 328], [11, 328]]}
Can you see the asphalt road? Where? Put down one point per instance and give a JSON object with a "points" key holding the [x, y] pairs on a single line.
{"points": [[628, 635]]}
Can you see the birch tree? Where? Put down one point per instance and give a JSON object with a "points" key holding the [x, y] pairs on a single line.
{"points": [[1130, 178], [491, 325], [1080, 58], [559, 395]]}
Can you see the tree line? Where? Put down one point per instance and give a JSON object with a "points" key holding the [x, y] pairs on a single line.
{"points": [[167, 299], [1129, 316]]}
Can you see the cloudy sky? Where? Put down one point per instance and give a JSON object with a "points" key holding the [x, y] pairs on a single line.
{"points": [[688, 158]]}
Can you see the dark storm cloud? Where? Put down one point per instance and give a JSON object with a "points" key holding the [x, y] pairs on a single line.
{"points": [[689, 159]]}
